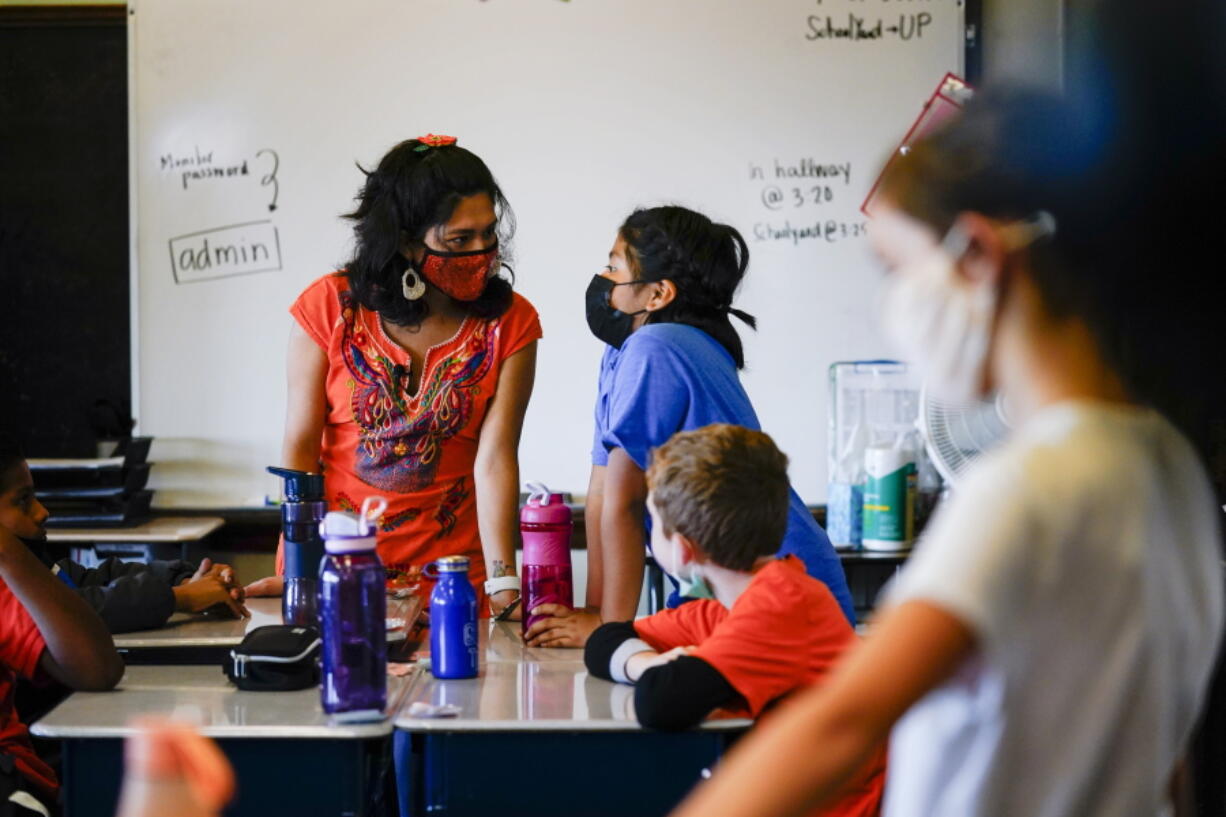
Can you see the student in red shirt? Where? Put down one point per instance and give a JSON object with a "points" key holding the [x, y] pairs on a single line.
{"points": [[761, 627], [128, 596], [46, 632]]}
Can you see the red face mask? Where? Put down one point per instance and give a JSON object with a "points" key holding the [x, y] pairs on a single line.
{"points": [[462, 275]]}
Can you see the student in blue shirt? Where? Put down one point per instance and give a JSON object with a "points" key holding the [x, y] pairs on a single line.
{"points": [[663, 305]]}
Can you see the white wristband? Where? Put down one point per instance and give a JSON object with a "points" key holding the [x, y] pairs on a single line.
{"points": [[617, 664], [501, 583]]}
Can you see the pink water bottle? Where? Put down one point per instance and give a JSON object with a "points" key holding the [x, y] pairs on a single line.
{"points": [[545, 523]]}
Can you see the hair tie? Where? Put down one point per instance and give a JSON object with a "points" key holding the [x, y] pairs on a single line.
{"points": [[433, 140], [744, 317]]}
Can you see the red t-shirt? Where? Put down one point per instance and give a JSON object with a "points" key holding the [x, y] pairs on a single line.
{"points": [[783, 633], [415, 450], [21, 646]]}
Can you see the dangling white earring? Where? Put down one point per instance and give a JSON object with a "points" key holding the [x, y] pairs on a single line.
{"points": [[416, 289]]}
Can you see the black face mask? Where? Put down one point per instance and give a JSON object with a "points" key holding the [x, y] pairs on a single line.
{"points": [[608, 324]]}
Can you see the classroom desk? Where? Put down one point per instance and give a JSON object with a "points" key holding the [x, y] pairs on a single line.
{"points": [[194, 638], [538, 734], [207, 639], [168, 537], [289, 757]]}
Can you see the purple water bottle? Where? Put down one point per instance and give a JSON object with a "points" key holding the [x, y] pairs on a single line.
{"points": [[353, 616], [545, 523], [453, 620]]}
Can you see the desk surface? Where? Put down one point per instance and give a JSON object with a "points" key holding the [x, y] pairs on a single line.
{"points": [[159, 529], [523, 689], [519, 690], [203, 695], [185, 631]]}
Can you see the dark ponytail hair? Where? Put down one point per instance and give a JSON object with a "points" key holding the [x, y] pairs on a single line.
{"points": [[415, 188], [704, 260]]}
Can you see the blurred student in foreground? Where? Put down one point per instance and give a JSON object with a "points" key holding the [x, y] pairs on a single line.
{"points": [[1048, 647]]}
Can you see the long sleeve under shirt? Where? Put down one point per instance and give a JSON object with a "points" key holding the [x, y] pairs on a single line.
{"points": [[127, 595], [781, 634], [677, 695]]}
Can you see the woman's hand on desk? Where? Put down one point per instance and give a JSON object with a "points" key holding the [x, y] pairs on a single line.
{"points": [[564, 627], [204, 593], [503, 599], [271, 586]]}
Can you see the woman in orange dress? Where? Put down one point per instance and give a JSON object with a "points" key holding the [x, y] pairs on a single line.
{"points": [[410, 370]]}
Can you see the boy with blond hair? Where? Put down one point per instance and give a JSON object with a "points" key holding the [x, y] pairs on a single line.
{"points": [[760, 628]]}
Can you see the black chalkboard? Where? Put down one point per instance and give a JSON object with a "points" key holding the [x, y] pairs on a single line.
{"points": [[64, 323]]}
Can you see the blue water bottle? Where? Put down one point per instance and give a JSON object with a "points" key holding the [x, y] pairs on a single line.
{"points": [[453, 621], [353, 616]]}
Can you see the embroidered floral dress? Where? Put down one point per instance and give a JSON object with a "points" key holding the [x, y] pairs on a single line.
{"points": [[415, 450]]}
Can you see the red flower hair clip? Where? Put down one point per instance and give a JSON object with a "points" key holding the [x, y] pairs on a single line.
{"points": [[434, 140]]}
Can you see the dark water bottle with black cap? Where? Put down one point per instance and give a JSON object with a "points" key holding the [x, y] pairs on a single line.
{"points": [[301, 512]]}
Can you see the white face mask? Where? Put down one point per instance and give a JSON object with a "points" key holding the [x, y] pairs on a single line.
{"points": [[944, 324], [941, 324]]}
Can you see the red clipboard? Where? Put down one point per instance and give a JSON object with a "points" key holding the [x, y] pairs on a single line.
{"points": [[950, 96]]}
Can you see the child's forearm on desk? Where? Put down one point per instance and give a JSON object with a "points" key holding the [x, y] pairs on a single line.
{"points": [[680, 692], [609, 647]]}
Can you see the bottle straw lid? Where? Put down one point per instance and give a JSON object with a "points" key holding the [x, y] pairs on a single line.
{"points": [[345, 532], [300, 486], [539, 492]]}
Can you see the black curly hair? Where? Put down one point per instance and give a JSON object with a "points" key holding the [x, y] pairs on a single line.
{"points": [[11, 456], [414, 189], [705, 261]]}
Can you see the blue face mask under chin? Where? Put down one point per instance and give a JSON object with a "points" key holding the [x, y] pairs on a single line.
{"points": [[691, 583]]}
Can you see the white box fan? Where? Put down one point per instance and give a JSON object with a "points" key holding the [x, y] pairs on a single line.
{"points": [[958, 433]]}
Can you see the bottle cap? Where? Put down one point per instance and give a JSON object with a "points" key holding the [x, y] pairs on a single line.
{"points": [[880, 460], [544, 507], [300, 486], [452, 564], [344, 532], [539, 494]]}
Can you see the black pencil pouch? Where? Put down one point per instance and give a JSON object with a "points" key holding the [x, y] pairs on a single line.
{"points": [[275, 658]]}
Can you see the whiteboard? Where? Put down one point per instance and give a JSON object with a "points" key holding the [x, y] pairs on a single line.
{"points": [[247, 117]]}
